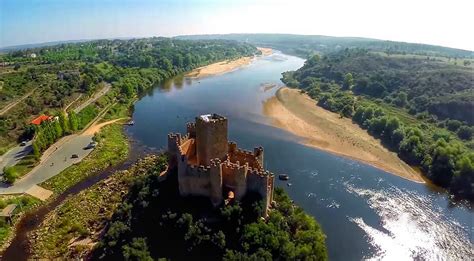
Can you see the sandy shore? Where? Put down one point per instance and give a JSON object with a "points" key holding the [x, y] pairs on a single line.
{"points": [[225, 66], [325, 130], [265, 51]]}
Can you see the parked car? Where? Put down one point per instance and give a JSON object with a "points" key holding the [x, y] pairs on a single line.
{"points": [[74, 156], [91, 145]]}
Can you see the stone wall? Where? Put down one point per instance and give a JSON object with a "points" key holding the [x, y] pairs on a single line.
{"points": [[235, 178]]}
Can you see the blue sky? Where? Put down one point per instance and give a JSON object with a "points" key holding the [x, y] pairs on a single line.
{"points": [[440, 22]]}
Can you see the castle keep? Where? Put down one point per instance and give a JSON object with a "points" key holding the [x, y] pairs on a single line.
{"points": [[211, 166]]}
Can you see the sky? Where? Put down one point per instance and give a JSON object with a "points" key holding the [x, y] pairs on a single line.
{"points": [[439, 22]]}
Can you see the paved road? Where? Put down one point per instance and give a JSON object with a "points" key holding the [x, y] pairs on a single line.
{"points": [[59, 160], [14, 155], [94, 98]]}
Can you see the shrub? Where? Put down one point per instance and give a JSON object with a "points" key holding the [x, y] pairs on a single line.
{"points": [[10, 174]]}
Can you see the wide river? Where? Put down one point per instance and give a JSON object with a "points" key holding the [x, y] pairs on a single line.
{"points": [[366, 213]]}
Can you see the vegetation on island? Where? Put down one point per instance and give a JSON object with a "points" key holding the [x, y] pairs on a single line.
{"points": [[154, 222], [419, 108]]}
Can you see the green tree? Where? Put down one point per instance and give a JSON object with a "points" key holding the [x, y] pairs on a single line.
{"points": [[453, 125], [348, 81], [465, 132], [137, 250], [57, 129], [63, 121], [73, 121], [402, 99], [10, 174]]}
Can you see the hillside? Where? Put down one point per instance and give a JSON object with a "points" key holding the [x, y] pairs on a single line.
{"points": [[306, 45], [381, 94], [416, 84], [47, 80]]}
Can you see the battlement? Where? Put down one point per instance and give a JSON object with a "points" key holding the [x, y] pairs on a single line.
{"points": [[211, 119], [258, 151], [235, 166], [215, 162], [198, 171], [260, 173]]}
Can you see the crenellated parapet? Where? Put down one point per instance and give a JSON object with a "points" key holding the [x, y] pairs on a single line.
{"points": [[198, 171]]}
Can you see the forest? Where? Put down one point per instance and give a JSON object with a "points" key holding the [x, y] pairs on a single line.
{"points": [[154, 222], [393, 98]]}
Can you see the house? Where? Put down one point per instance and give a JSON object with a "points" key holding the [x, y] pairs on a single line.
{"points": [[40, 119]]}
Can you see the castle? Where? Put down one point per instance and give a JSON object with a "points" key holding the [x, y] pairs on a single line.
{"points": [[211, 166]]}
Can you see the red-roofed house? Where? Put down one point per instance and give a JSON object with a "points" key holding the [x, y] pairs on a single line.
{"points": [[40, 119]]}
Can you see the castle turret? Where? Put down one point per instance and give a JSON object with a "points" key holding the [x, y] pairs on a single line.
{"points": [[258, 152], [211, 138]]}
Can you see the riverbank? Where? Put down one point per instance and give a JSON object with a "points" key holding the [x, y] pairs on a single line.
{"points": [[225, 66], [325, 130]]}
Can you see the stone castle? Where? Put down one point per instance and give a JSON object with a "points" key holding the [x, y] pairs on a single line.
{"points": [[211, 166]]}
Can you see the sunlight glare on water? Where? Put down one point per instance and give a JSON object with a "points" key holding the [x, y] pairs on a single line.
{"points": [[411, 228]]}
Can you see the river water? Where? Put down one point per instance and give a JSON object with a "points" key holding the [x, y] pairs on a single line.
{"points": [[365, 212]]}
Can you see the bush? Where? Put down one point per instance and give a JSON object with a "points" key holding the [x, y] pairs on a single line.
{"points": [[10, 174], [465, 132]]}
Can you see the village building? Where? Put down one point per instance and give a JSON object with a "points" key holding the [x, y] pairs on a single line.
{"points": [[211, 166]]}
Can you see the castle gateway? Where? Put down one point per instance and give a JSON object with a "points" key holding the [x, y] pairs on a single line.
{"points": [[211, 166]]}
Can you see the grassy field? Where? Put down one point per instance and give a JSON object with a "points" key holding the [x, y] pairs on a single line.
{"points": [[81, 218], [112, 148]]}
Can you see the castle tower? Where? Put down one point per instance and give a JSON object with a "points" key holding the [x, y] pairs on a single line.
{"points": [[211, 138]]}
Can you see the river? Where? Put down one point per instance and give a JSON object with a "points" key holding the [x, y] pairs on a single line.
{"points": [[365, 212]]}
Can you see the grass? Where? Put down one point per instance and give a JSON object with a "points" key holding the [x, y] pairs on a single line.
{"points": [[119, 110], [24, 203], [85, 214], [112, 148], [25, 165], [3, 150]]}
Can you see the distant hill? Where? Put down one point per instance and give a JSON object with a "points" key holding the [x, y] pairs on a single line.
{"points": [[53, 43], [305, 45]]}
